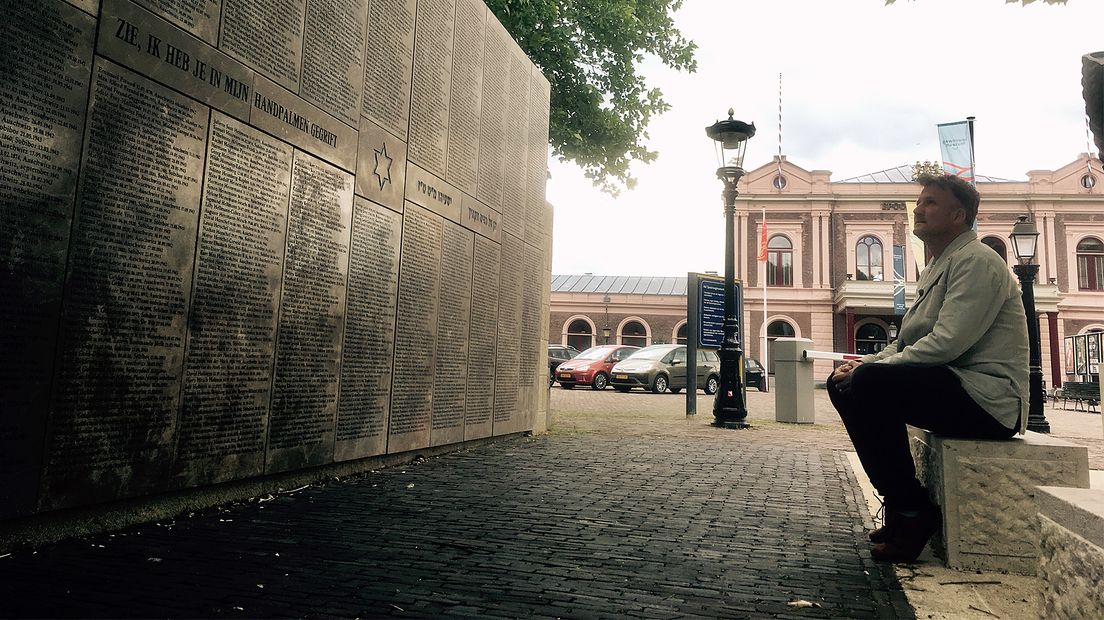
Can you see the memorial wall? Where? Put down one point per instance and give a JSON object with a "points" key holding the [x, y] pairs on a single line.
{"points": [[247, 237]]}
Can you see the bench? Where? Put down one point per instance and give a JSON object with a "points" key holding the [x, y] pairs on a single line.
{"points": [[1082, 394], [1071, 552], [986, 491]]}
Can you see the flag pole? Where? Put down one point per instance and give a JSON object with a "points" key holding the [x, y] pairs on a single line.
{"points": [[766, 356]]}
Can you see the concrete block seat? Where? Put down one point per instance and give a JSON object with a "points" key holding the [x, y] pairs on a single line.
{"points": [[986, 490], [1071, 552]]}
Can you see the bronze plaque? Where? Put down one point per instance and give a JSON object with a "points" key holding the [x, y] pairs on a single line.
{"points": [[429, 93], [509, 335], [467, 90], [381, 166], [116, 392], [476, 216], [482, 340], [369, 346], [286, 116], [333, 57], [41, 125], [429, 191], [536, 163], [267, 35], [492, 114], [134, 37], [228, 363], [308, 346], [199, 17], [517, 143], [389, 62], [450, 372], [415, 333]]}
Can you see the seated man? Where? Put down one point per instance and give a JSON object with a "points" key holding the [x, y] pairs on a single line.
{"points": [[958, 366]]}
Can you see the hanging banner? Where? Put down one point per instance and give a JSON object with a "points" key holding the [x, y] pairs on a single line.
{"points": [[955, 147], [898, 280]]}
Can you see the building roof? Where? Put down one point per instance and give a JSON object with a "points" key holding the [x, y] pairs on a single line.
{"points": [[619, 285], [903, 174]]}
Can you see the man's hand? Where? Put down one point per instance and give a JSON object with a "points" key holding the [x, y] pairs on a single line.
{"points": [[841, 376]]}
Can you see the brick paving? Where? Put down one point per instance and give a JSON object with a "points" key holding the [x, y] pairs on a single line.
{"points": [[626, 509]]}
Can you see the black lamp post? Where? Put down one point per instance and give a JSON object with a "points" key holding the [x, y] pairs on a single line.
{"points": [[731, 137], [1024, 239], [606, 328]]}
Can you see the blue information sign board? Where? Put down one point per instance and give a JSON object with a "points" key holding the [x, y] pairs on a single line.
{"points": [[711, 311]]}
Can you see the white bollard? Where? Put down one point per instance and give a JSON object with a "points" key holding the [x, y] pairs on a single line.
{"points": [[793, 381]]}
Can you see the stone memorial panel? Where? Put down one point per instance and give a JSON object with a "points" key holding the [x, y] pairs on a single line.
{"points": [[228, 362], [199, 17], [492, 113], [467, 90], [482, 340], [429, 94], [138, 39], [450, 375], [536, 163], [266, 35], [476, 216], [91, 7], [333, 57], [42, 106], [388, 64], [529, 353], [415, 334], [117, 388], [286, 116], [369, 346], [509, 335], [381, 166], [517, 144], [308, 345], [429, 191]]}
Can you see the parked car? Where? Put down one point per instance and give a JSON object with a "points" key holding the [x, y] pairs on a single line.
{"points": [[663, 366], [753, 374], [592, 367], [558, 354]]}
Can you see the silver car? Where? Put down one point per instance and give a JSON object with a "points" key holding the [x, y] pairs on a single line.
{"points": [[662, 367]]}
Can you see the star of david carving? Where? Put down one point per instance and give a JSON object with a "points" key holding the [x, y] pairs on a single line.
{"points": [[383, 170]]}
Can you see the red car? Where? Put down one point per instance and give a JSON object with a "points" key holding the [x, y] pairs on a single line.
{"points": [[592, 367]]}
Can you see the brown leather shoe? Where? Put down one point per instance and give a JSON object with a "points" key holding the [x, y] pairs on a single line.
{"points": [[879, 535], [906, 539]]}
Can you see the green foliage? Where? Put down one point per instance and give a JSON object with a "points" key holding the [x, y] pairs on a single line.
{"points": [[589, 50]]}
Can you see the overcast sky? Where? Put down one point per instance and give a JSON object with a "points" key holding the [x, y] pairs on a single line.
{"points": [[863, 87]]}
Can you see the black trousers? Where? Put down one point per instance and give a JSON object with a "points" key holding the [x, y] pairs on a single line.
{"points": [[883, 398]]}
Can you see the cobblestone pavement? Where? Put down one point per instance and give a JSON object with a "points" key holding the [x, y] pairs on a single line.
{"points": [[628, 508]]}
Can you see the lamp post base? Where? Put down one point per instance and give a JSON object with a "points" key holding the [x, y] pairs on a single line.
{"points": [[737, 424]]}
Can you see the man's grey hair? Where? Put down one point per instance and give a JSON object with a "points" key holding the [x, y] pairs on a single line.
{"points": [[965, 193]]}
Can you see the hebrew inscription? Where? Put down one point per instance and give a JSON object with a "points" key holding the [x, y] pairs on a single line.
{"points": [[266, 35], [122, 333], [308, 345], [228, 365], [369, 332], [389, 51], [467, 89], [429, 96], [333, 56], [415, 333], [482, 340], [450, 375], [41, 124]]}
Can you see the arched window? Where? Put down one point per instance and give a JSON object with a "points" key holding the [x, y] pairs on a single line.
{"points": [[779, 261], [579, 335], [1090, 264], [868, 259], [680, 335], [634, 334], [777, 329], [870, 338], [998, 246]]}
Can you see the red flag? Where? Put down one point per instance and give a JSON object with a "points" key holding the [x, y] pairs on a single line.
{"points": [[763, 241]]}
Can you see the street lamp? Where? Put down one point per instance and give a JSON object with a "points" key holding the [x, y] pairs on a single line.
{"points": [[892, 332], [1024, 239], [605, 328], [731, 138]]}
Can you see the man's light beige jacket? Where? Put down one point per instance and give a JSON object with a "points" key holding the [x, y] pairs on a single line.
{"points": [[969, 316]]}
